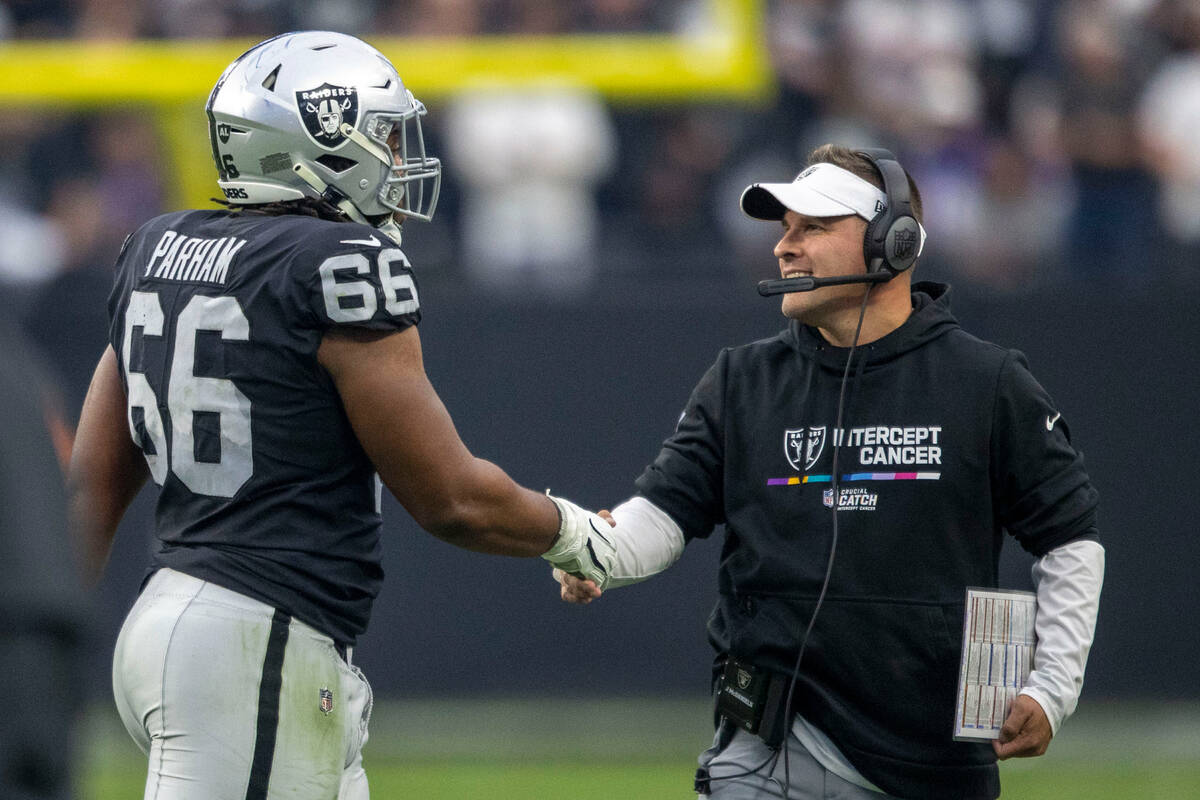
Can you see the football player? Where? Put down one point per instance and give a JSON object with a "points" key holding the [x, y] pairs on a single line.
{"points": [[265, 371]]}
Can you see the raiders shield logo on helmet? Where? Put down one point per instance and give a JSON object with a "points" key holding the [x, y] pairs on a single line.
{"points": [[324, 109]]}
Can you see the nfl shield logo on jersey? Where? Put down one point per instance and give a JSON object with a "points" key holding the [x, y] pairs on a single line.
{"points": [[324, 109], [326, 700], [827, 498]]}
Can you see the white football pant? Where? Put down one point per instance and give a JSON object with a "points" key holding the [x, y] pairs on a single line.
{"points": [[233, 700]]}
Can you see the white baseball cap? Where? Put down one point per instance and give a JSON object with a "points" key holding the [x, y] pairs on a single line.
{"points": [[822, 190]]}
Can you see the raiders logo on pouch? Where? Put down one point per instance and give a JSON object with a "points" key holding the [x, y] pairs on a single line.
{"points": [[324, 109], [743, 679]]}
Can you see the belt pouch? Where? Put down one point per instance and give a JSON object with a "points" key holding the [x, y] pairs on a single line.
{"points": [[753, 699]]}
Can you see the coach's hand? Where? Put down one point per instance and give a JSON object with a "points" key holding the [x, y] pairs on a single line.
{"points": [[575, 590], [1026, 731], [581, 548]]}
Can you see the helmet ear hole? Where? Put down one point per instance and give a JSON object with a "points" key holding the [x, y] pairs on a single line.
{"points": [[269, 81], [336, 164]]}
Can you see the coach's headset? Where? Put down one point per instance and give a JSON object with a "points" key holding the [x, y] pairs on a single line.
{"points": [[892, 241]]}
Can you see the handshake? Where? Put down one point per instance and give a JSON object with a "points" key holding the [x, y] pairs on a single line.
{"points": [[583, 555]]}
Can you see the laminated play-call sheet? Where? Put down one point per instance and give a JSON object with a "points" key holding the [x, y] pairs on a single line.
{"points": [[997, 657]]}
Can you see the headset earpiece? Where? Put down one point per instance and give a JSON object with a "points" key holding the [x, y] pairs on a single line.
{"points": [[893, 238]]}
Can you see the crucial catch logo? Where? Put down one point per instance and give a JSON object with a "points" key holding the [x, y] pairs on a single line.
{"points": [[852, 498]]}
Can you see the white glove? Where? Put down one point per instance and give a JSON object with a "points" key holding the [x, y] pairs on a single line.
{"points": [[582, 548]]}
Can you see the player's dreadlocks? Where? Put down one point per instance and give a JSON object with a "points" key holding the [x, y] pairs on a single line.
{"points": [[307, 206]]}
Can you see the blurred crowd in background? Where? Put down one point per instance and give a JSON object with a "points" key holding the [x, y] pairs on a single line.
{"points": [[1052, 141]]}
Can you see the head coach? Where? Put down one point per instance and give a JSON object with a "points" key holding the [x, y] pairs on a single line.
{"points": [[867, 464]]}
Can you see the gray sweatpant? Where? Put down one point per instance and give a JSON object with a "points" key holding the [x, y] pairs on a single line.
{"points": [[746, 753]]}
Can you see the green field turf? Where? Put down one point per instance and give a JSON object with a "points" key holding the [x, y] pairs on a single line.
{"points": [[645, 749]]}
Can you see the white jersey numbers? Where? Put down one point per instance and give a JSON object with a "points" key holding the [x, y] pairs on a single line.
{"points": [[145, 312], [336, 291], [348, 300], [189, 395], [202, 432], [399, 290]]}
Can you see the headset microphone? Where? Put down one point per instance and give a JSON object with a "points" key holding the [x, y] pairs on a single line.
{"points": [[809, 283]]}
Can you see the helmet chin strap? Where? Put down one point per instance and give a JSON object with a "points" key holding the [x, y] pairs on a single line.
{"points": [[329, 193], [388, 228]]}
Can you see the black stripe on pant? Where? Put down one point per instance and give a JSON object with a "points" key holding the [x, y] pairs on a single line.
{"points": [[268, 708]]}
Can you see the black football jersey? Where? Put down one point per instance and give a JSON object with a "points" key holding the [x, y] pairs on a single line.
{"points": [[216, 318]]}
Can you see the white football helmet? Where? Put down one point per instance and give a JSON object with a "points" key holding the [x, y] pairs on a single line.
{"points": [[321, 114]]}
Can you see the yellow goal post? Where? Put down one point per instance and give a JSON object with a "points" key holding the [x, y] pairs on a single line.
{"points": [[726, 61]]}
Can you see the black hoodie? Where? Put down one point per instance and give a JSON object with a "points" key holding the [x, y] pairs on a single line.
{"points": [[947, 442]]}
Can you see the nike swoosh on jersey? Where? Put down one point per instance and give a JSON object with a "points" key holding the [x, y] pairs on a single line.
{"points": [[372, 242], [1051, 420]]}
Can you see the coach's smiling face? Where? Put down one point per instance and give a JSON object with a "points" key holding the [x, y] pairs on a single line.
{"points": [[821, 247]]}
